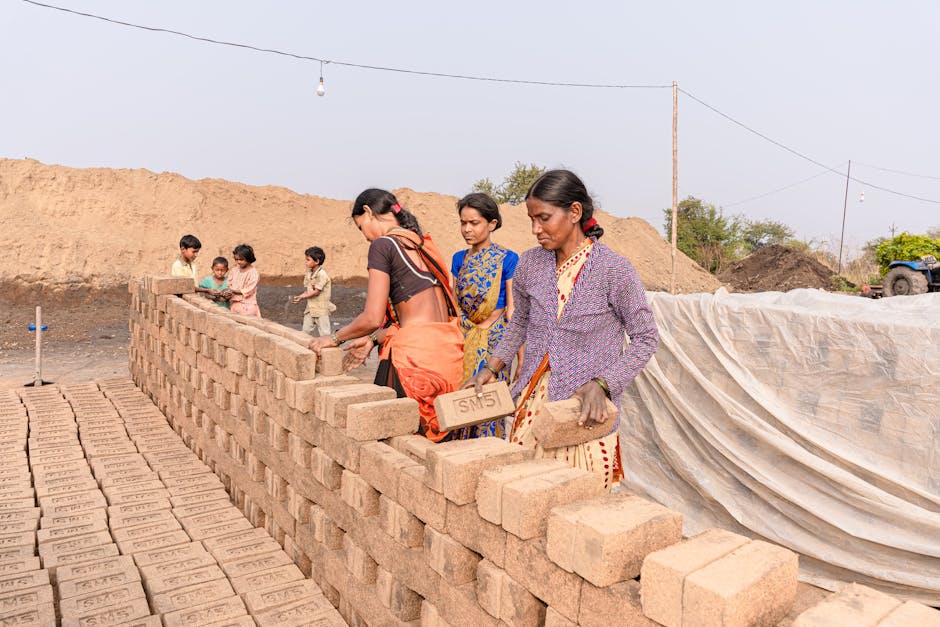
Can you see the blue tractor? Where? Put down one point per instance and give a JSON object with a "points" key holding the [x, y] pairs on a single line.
{"points": [[912, 277]]}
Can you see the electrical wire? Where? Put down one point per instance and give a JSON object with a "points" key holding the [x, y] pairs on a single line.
{"points": [[801, 155], [363, 66], [785, 187], [919, 176]]}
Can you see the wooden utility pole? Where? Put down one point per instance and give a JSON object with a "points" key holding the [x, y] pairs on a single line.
{"points": [[675, 180], [845, 203]]}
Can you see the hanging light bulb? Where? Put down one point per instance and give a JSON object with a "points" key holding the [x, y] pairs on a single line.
{"points": [[321, 90], [861, 197]]}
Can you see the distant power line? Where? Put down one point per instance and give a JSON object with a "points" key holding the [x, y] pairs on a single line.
{"points": [[492, 79], [919, 176], [785, 187]]}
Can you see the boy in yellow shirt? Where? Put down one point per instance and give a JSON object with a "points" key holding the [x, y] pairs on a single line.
{"points": [[185, 264], [317, 293]]}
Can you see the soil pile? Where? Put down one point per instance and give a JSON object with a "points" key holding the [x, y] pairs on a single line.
{"points": [[777, 269], [95, 228]]}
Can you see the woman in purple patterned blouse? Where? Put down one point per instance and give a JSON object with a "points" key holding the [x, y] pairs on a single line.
{"points": [[575, 300]]}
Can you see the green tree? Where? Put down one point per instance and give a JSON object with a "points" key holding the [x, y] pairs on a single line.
{"points": [[905, 247], [759, 233], [513, 188], [704, 234]]}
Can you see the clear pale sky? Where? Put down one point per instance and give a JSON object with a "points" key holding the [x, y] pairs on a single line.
{"points": [[835, 80]]}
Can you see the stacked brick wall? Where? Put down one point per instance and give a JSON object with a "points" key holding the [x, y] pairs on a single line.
{"points": [[397, 530]]}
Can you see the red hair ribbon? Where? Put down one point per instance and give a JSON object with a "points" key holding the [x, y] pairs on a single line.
{"points": [[396, 208], [587, 226]]}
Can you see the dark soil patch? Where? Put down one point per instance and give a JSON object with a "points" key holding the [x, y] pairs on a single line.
{"points": [[777, 269]]}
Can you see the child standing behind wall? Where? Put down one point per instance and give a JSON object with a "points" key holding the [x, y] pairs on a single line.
{"points": [[317, 288], [185, 264], [216, 284], [243, 282]]}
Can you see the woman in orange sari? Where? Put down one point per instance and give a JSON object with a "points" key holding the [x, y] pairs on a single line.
{"points": [[410, 310]]}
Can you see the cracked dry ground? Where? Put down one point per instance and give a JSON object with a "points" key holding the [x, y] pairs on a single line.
{"points": [[108, 518]]}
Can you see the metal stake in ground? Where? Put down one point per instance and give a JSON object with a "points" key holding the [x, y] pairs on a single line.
{"points": [[37, 379]]}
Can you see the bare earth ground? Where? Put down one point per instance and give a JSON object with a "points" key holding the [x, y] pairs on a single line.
{"points": [[88, 335]]}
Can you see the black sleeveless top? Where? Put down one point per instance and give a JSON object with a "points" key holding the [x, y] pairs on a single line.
{"points": [[387, 255]]}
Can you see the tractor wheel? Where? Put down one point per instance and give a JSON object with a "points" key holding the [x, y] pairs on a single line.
{"points": [[902, 281]]}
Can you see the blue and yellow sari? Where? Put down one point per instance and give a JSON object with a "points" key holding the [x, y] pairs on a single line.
{"points": [[478, 285]]}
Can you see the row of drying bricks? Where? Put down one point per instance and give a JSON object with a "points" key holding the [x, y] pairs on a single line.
{"points": [[132, 528]]}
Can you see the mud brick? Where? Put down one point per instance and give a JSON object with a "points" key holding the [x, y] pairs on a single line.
{"points": [[14, 527], [459, 606], [489, 586], [202, 483], [17, 515], [325, 469], [225, 612], [247, 536], [135, 509], [527, 563], [243, 568], [527, 502], [267, 578], [466, 526], [606, 539], [193, 595], [430, 617], [20, 581], [111, 615], [448, 558], [94, 568], [464, 408], [612, 606], [418, 498], [22, 492], [220, 529], [69, 487], [460, 470], [184, 470], [127, 477], [185, 500], [160, 571], [17, 482], [189, 511], [22, 599], [303, 391], [165, 285], [54, 561], [213, 513], [133, 488], [299, 450], [244, 551], [401, 601], [664, 572], [258, 601], [336, 405], [145, 621], [93, 451], [325, 530], [853, 605], [358, 561], [62, 532], [358, 494], [330, 363], [17, 504], [162, 584], [18, 564], [123, 535], [149, 543], [82, 604], [145, 519], [99, 583], [316, 613], [489, 494], [77, 543], [755, 584], [381, 467], [911, 613], [72, 503], [38, 616]]}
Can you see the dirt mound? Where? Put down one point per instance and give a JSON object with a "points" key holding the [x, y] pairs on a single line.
{"points": [[777, 269], [97, 227]]}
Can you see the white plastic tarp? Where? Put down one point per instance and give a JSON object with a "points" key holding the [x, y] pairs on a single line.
{"points": [[806, 418]]}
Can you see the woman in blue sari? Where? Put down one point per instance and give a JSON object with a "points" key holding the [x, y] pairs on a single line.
{"points": [[483, 286]]}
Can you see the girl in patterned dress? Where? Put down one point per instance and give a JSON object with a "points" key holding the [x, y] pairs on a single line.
{"points": [[483, 286], [575, 301]]}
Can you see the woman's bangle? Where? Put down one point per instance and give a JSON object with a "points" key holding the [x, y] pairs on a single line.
{"points": [[335, 339], [491, 369], [374, 338], [601, 382]]}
